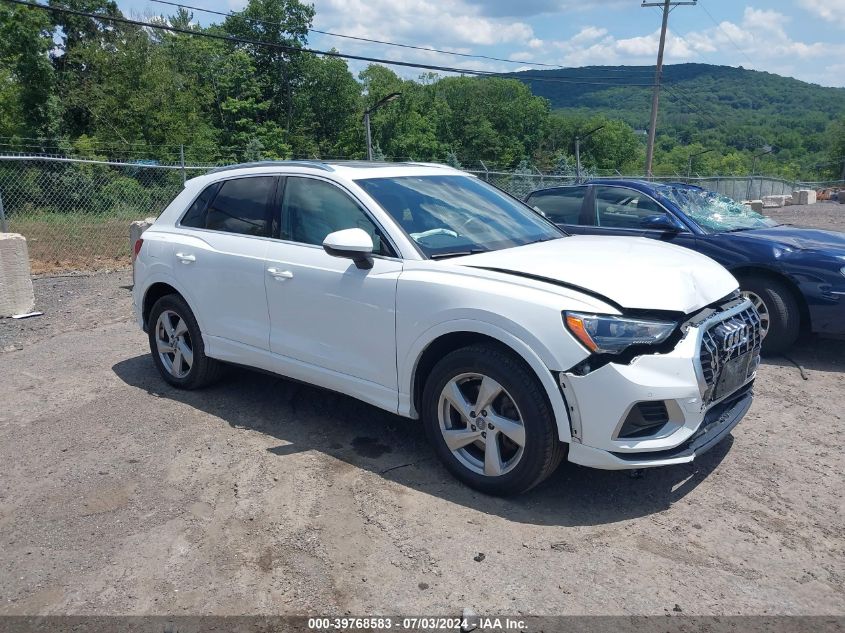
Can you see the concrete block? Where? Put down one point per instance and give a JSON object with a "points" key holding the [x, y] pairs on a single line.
{"points": [[775, 201], [756, 205], [16, 296], [842, 196], [137, 228], [804, 196]]}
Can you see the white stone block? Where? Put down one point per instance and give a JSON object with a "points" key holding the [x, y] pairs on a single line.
{"points": [[16, 296], [137, 228], [774, 201], [756, 205], [804, 196]]}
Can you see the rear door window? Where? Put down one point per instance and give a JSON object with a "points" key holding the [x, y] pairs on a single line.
{"points": [[242, 206], [561, 206]]}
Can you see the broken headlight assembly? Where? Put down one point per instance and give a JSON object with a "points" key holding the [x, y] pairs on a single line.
{"points": [[606, 334]]}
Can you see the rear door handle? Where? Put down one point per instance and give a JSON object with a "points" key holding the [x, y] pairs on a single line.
{"points": [[280, 275], [186, 258]]}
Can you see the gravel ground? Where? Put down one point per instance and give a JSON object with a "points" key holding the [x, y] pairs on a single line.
{"points": [[121, 495], [822, 215]]}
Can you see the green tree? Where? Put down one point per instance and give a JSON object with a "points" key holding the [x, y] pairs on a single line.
{"points": [[28, 103]]}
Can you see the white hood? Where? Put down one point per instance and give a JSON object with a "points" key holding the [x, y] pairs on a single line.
{"points": [[634, 272]]}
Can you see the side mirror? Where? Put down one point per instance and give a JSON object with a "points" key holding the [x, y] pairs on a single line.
{"points": [[354, 244], [660, 222]]}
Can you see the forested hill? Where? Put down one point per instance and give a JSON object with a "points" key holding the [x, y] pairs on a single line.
{"points": [[719, 106]]}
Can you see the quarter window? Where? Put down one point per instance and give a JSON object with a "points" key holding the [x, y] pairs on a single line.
{"points": [[314, 208], [242, 206], [621, 208], [196, 214]]}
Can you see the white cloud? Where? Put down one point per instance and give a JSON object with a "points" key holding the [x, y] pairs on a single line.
{"points": [[761, 39], [458, 23], [833, 10]]}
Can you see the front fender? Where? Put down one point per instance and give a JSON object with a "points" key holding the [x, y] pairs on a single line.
{"points": [[532, 354]]}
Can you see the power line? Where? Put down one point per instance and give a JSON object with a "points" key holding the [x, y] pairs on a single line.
{"points": [[728, 35], [428, 49], [232, 14], [296, 49]]}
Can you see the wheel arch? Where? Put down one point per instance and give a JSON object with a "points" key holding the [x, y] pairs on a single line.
{"points": [[804, 311], [156, 291], [446, 342]]}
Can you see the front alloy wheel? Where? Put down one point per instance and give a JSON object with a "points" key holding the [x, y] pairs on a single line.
{"points": [[481, 424], [490, 421]]}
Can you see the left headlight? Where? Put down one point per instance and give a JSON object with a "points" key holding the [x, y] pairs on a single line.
{"points": [[613, 334]]}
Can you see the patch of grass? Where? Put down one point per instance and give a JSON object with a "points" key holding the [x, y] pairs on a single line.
{"points": [[75, 241]]}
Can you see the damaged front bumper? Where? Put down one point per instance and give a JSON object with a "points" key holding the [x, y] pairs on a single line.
{"points": [[663, 409]]}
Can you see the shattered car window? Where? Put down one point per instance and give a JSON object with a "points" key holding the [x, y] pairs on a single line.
{"points": [[713, 212]]}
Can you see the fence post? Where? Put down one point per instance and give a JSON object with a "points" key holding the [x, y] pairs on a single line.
{"points": [[182, 162], [486, 172], [4, 228]]}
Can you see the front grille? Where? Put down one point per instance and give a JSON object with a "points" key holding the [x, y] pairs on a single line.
{"points": [[727, 340]]}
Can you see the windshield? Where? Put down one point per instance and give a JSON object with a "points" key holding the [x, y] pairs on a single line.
{"points": [[448, 216], [715, 213]]}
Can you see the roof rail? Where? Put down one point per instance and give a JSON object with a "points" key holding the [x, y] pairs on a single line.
{"points": [[274, 163], [423, 164]]}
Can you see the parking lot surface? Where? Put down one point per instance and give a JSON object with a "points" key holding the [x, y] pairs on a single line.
{"points": [[122, 495]]}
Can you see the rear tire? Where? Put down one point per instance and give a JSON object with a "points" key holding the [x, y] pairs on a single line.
{"points": [[177, 347], [777, 300], [483, 448]]}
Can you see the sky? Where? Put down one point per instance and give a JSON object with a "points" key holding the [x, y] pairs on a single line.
{"points": [[804, 39]]}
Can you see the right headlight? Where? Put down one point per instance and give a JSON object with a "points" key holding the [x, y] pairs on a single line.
{"points": [[604, 334]]}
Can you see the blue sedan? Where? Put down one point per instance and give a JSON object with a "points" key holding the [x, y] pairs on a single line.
{"points": [[794, 276]]}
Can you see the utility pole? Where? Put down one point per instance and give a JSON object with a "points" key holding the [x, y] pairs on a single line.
{"points": [[578, 151], [667, 5], [766, 150], [381, 102], [691, 156]]}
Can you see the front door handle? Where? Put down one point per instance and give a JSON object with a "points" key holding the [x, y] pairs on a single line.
{"points": [[186, 258], [280, 275]]}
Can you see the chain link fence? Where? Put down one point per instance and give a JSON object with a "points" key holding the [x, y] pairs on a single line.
{"points": [[75, 213]]}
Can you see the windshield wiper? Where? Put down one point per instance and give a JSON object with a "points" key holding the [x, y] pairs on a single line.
{"points": [[447, 255], [737, 229]]}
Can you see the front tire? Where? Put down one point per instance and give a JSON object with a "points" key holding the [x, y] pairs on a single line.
{"points": [[489, 420], [778, 309], [177, 347]]}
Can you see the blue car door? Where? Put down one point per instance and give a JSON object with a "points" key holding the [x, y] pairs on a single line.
{"points": [[616, 210]]}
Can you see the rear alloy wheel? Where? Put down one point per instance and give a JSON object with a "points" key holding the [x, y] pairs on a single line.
{"points": [[489, 420], [173, 343], [780, 318], [177, 347]]}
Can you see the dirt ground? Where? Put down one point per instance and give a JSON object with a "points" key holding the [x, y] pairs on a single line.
{"points": [[121, 495]]}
